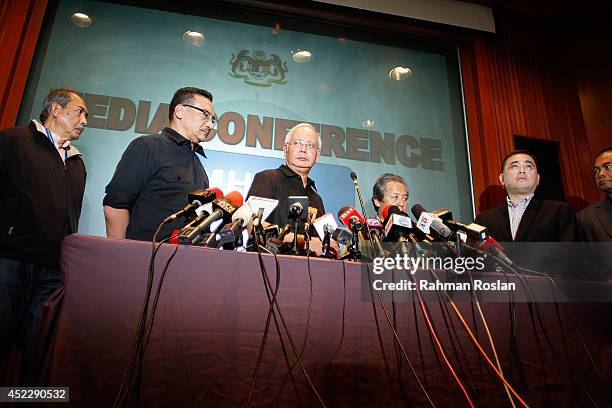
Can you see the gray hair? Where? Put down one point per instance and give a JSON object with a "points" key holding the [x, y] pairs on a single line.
{"points": [[61, 96], [380, 187], [299, 125]]}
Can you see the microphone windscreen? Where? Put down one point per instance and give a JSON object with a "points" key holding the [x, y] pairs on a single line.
{"points": [[217, 191], [417, 210], [390, 209], [353, 175], [342, 210], [235, 198]]}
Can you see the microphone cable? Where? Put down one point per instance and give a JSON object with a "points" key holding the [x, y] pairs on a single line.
{"points": [[575, 327], [547, 338], [489, 336], [274, 302], [342, 327], [474, 340], [271, 314], [307, 327], [536, 312], [396, 338], [438, 343], [137, 344]]}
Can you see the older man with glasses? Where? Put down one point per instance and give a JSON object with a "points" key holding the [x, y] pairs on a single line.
{"points": [[157, 172], [302, 150]]}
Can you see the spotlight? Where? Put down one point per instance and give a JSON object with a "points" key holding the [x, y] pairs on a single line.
{"points": [[400, 73], [195, 38], [81, 20], [300, 56]]}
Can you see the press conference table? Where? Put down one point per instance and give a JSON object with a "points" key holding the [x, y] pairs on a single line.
{"points": [[211, 318]]}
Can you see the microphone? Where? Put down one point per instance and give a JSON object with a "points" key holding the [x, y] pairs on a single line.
{"points": [[351, 218], [398, 226], [325, 225], [491, 246], [375, 228], [342, 236], [296, 209], [427, 221], [328, 221], [474, 231], [274, 245], [224, 209], [196, 199], [358, 190]]}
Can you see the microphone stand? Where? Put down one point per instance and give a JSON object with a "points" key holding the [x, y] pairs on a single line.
{"points": [[294, 245], [325, 244]]}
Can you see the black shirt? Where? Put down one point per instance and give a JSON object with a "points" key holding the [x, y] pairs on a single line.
{"points": [[279, 184], [152, 180]]}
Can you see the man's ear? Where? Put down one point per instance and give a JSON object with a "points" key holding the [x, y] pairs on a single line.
{"points": [[179, 111], [285, 151], [501, 179], [55, 109]]}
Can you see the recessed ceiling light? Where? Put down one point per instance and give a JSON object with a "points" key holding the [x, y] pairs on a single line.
{"points": [[300, 56], [368, 124], [194, 38], [400, 73], [81, 20]]}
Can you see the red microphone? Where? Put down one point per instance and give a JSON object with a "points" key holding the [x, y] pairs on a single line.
{"points": [[351, 218], [493, 247], [234, 197], [216, 190]]}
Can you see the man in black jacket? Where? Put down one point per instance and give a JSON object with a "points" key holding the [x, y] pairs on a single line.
{"points": [[596, 220], [523, 217], [42, 181]]}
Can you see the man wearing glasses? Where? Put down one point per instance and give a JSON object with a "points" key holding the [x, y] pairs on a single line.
{"points": [[156, 172], [302, 150]]}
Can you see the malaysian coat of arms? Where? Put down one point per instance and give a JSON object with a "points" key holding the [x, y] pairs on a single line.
{"points": [[258, 69]]}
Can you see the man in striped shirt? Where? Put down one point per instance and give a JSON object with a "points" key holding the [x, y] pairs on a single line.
{"points": [[524, 217]]}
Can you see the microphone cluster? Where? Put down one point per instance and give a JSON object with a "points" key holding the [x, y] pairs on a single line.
{"points": [[226, 221]]}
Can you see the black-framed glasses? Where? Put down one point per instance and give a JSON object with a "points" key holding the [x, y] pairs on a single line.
{"points": [[207, 115]]}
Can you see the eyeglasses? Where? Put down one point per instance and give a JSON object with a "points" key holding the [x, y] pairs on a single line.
{"points": [[207, 115], [307, 145]]}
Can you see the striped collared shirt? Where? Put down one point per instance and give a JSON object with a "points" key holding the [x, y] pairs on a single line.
{"points": [[516, 211]]}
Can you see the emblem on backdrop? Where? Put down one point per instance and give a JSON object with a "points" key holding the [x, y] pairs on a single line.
{"points": [[258, 69]]}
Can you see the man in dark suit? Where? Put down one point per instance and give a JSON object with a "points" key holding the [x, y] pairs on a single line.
{"points": [[596, 221], [523, 217]]}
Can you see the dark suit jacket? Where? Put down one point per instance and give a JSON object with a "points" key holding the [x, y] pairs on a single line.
{"points": [[543, 221], [596, 221]]}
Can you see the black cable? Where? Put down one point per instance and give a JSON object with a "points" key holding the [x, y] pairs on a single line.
{"points": [[138, 337], [544, 331], [157, 293], [274, 302], [396, 337], [573, 322], [342, 327], [271, 313], [305, 333]]}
